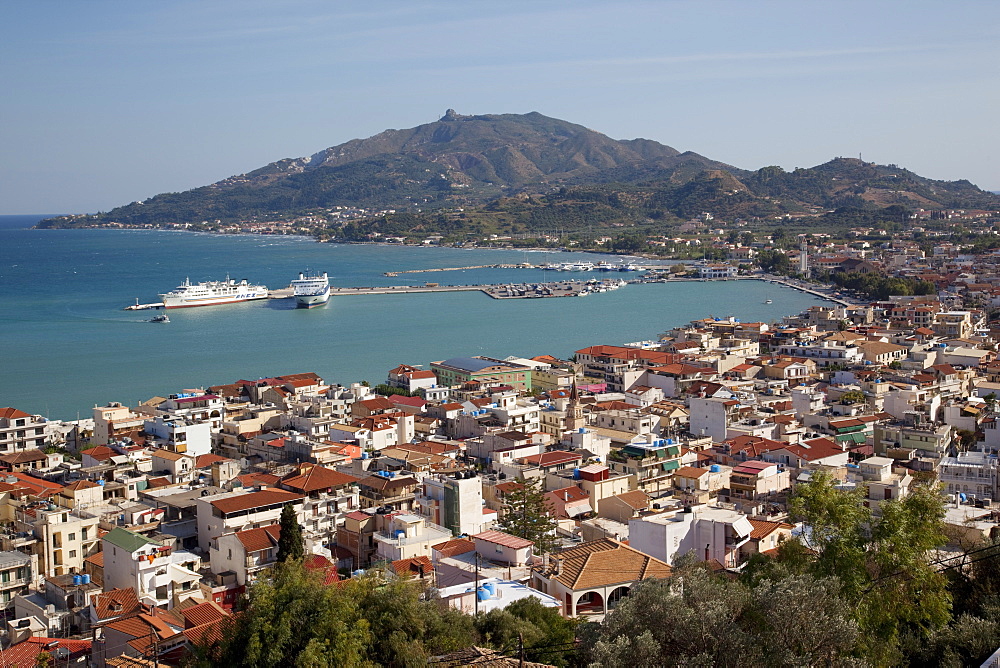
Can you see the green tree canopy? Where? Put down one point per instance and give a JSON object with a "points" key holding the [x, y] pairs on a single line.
{"points": [[526, 515], [884, 561], [527, 620], [697, 618], [290, 544]]}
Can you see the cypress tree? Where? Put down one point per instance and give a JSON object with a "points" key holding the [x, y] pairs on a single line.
{"points": [[290, 540]]}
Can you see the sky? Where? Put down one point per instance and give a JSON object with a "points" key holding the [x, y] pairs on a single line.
{"points": [[106, 102]]}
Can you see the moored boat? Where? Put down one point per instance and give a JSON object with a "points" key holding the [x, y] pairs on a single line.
{"points": [[310, 291], [210, 293]]}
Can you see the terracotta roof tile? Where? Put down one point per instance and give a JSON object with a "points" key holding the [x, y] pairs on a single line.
{"points": [[262, 538], [637, 499], [452, 548], [116, 603], [413, 566], [504, 539], [266, 497], [763, 528], [203, 613], [604, 562], [317, 478]]}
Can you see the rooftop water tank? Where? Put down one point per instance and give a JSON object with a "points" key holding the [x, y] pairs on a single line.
{"points": [[364, 455], [490, 587], [483, 594], [400, 533], [86, 578], [576, 474], [714, 468], [77, 580], [583, 430]]}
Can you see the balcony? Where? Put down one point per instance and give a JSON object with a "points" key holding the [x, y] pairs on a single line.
{"points": [[429, 532], [13, 584]]}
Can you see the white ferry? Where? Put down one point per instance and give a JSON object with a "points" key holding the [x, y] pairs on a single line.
{"points": [[311, 291], [209, 293], [576, 266]]}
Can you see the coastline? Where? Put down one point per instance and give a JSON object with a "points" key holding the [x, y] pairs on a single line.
{"points": [[104, 353]]}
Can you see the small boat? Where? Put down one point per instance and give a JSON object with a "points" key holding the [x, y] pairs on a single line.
{"points": [[768, 301], [160, 318]]}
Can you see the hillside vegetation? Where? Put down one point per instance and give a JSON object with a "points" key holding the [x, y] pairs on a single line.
{"points": [[531, 173]]}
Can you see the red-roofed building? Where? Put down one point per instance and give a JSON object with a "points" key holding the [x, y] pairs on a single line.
{"points": [[503, 548], [813, 453], [245, 553], [317, 563], [411, 378], [752, 482], [568, 502], [552, 460], [414, 567], [111, 605], [765, 537], [62, 652], [413, 405], [328, 495], [452, 548], [225, 513], [139, 636]]}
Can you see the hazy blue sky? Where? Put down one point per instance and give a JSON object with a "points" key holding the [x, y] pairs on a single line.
{"points": [[104, 102]]}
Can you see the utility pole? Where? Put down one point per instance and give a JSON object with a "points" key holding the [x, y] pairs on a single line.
{"points": [[476, 593], [520, 650]]}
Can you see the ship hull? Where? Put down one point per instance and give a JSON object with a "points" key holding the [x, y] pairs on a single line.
{"points": [[208, 301], [311, 301], [311, 291]]}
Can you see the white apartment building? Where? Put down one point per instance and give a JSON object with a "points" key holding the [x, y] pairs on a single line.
{"points": [[824, 353], [238, 511], [708, 532], [159, 575], [408, 536], [20, 431], [971, 473], [179, 435], [113, 421], [453, 501]]}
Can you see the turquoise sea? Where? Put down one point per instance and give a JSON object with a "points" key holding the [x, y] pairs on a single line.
{"points": [[68, 345]]}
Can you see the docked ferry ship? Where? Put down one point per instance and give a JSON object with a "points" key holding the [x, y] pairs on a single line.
{"points": [[209, 293], [311, 291]]}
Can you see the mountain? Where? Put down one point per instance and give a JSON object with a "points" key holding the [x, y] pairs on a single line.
{"points": [[560, 171]]}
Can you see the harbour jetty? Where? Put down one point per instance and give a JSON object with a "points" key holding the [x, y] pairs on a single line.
{"points": [[524, 265]]}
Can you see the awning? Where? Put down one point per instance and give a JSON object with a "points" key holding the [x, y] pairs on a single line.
{"points": [[671, 465], [580, 509], [858, 438]]}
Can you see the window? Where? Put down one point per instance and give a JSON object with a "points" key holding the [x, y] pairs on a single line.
{"points": [[83, 533], [72, 554], [72, 536]]}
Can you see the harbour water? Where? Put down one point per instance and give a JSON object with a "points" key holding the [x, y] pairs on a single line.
{"points": [[68, 345]]}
